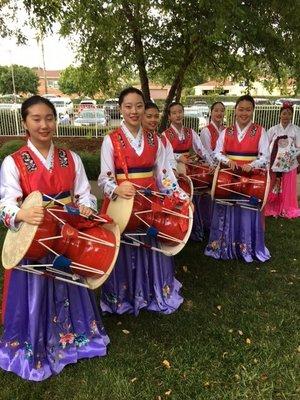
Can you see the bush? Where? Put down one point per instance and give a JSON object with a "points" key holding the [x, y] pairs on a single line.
{"points": [[10, 147], [91, 164]]}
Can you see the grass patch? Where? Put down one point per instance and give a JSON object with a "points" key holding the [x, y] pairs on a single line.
{"points": [[234, 338]]}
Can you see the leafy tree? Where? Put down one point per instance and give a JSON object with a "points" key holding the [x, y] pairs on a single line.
{"points": [[8, 11], [26, 80], [172, 38]]}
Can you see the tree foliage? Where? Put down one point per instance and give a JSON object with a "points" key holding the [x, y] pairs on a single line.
{"points": [[26, 80], [172, 39]]}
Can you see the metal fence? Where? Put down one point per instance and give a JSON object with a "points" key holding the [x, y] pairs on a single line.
{"points": [[11, 125]]}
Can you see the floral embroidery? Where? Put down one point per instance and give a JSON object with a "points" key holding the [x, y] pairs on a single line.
{"points": [[14, 344], [63, 158], [94, 327], [28, 161], [215, 245], [121, 140], [150, 138], [253, 130], [229, 131], [65, 339], [166, 290], [66, 303], [81, 340], [171, 134], [28, 350], [7, 216]]}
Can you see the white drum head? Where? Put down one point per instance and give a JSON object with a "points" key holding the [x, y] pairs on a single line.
{"points": [[17, 243]]}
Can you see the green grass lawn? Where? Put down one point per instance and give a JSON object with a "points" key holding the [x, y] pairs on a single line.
{"points": [[234, 338]]}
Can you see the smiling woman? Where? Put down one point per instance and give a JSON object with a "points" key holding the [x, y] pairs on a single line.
{"points": [[47, 323]]}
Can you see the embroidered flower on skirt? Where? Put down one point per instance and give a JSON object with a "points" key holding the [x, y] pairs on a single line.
{"points": [[66, 339], [81, 340]]}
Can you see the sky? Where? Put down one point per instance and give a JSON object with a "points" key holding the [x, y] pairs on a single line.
{"points": [[58, 53]]}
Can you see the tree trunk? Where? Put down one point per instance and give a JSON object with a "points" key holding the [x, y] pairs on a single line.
{"points": [[175, 91], [138, 48]]}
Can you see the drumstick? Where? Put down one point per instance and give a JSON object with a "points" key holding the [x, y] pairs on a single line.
{"points": [[33, 271], [95, 216], [139, 243]]}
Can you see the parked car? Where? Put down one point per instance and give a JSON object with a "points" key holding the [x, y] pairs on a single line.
{"points": [[202, 106], [279, 102], [63, 105], [87, 104], [111, 108], [261, 101], [195, 118], [10, 106], [91, 118], [50, 96]]}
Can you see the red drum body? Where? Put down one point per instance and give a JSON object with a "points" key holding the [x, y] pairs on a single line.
{"points": [[167, 223], [246, 189], [186, 185], [84, 247], [48, 228], [200, 176]]}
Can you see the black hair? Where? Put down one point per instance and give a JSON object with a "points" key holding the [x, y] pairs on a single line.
{"points": [[150, 104], [128, 90], [245, 97], [175, 103], [32, 101], [214, 104]]}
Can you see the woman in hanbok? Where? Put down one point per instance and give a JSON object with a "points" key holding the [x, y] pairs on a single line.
{"points": [[47, 323], [183, 140], [142, 278], [284, 146], [237, 232], [209, 136], [150, 123]]}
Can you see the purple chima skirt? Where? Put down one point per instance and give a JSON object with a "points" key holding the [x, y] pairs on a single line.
{"points": [[141, 279], [237, 233], [202, 216], [48, 324]]}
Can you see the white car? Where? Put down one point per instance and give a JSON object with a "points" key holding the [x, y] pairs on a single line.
{"points": [[195, 117], [63, 105]]}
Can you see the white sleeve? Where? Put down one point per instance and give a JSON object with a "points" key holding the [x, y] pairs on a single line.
{"points": [[165, 178], [170, 154], [218, 153], [200, 149], [297, 136], [82, 187], [206, 139], [10, 192], [263, 158], [107, 180]]}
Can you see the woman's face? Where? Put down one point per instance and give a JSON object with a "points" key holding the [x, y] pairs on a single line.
{"points": [[132, 109], [40, 123], [150, 119], [176, 115], [217, 113], [286, 116], [244, 113]]}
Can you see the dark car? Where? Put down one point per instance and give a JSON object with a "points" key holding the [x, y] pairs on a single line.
{"points": [[111, 108]]}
